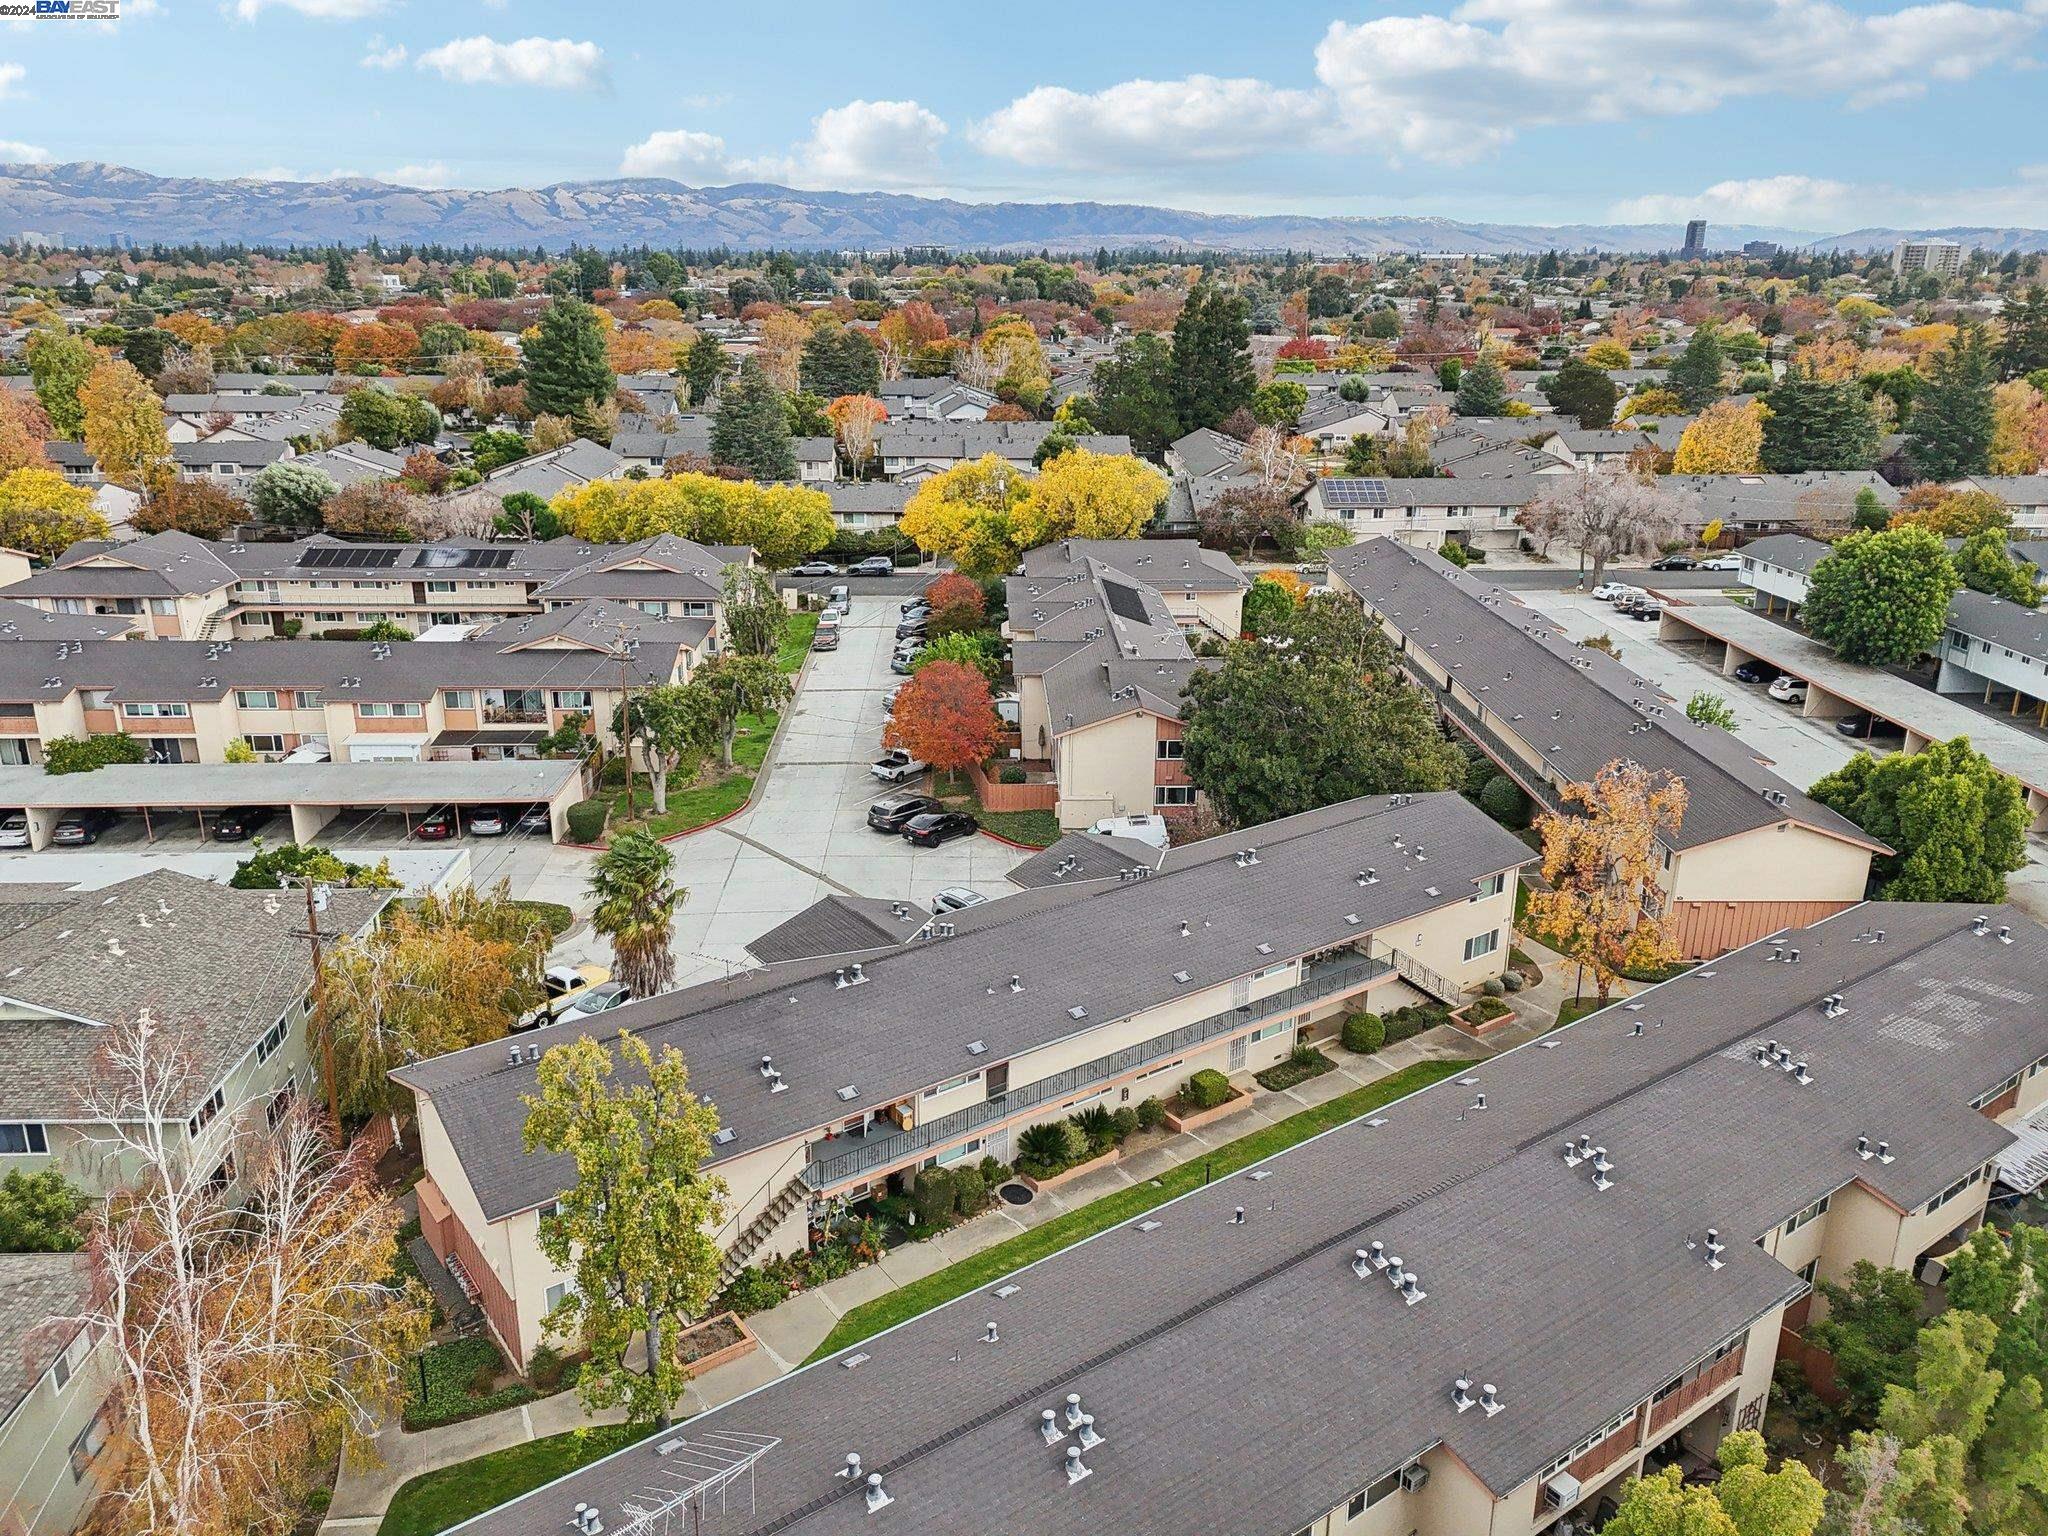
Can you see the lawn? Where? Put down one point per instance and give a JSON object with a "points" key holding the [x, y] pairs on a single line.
{"points": [[1034, 829], [970, 1274], [696, 805], [436, 1500], [1576, 1008], [796, 641]]}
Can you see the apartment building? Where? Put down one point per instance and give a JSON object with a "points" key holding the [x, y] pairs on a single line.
{"points": [[836, 1074], [2025, 496], [1099, 632], [361, 701], [1766, 504], [1944, 258], [54, 1383], [1401, 1306], [179, 587], [1479, 512], [928, 448], [941, 398], [1753, 853]]}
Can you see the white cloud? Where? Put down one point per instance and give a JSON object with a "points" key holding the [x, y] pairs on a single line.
{"points": [[11, 75], [432, 174], [1453, 88], [14, 152], [1809, 202], [319, 10], [377, 56], [1141, 123], [862, 144], [550, 63]]}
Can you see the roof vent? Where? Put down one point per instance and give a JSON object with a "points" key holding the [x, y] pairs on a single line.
{"points": [[1715, 1248], [851, 1471], [1601, 1168], [1016, 984], [1265, 949], [847, 1094], [587, 1519], [1461, 1394], [1077, 1012], [1182, 977], [1832, 1006], [876, 1497], [2004, 934], [1368, 877], [976, 1048], [1075, 1471], [1489, 1399], [1980, 925], [723, 1136]]}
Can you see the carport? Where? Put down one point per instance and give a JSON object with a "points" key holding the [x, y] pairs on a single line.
{"points": [[312, 794]]}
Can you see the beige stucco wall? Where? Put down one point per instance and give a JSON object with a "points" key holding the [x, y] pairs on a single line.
{"points": [[39, 1493], [1106, 769], [1787, 862]]}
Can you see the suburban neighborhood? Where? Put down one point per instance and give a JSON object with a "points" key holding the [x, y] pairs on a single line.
{"points": [[863, 829]]}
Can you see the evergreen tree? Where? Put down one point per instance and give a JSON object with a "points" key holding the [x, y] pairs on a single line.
{"points": [[337, 272], [1581, 390], [1136, 396], [836, 361], [1696, 376], [1949, 434], [703, 368], [1816, 423], [1482, 391], [1212, 360], [567, 370], [751, 429], [2025, 348]]}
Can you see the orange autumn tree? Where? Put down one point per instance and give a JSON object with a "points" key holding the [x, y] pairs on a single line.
{"points": [[944, 716], [856, 419], [1600, 859], [956, 602]]}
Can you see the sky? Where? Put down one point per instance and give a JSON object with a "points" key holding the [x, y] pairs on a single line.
{"points": [[1796, 114]]}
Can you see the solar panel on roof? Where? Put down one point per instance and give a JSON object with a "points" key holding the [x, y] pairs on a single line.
{"points": [[1125, 603], [1354, 493], [488, 559], [346, 557]]}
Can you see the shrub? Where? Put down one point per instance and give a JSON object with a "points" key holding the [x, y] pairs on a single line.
{"points": [[993, 1172], [1151, 1114], [1503, 800], [1011, 774], [1491, 987], [1486, 1008], [970, 1191], [1046, 1149], [753, 1290], [72, 754], [546, 1368], [586, 820], [1305, 1055], [933, 1198], [1098, 1126], [1206, 1089], [1125, 1122], [484, 1379], [1363, 1033], [1511, 981]]}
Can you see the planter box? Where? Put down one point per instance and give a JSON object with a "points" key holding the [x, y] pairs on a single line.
{"points": [[1067, 1176], [1196, 1119], [718, 1326], [1485, 1027]]}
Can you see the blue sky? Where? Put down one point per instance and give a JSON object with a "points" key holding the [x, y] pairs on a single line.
{"points": [[1792, 113]]}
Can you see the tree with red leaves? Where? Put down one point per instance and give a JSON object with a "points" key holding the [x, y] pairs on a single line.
{"points": [[944, 716], [957, 604]]}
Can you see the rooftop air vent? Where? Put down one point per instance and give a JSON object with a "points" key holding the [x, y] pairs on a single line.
{"points": [[876, 1497], [1077, 1012], [848, 1093], [723, 1136], [976, 1048]]}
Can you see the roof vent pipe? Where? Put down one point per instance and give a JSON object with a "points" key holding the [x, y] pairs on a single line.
{"points": [[1980, 924], [1715, 1247], [1088, 1437], [1489, 1399], [1361, 1263], [1074, 1414], [851, 1471], [1411, 1291], [1884, 1151], [1016, 984], [1075, 1471], [1461, 1394], [877, 1497], [1049, 1429], [1863, 1148]]}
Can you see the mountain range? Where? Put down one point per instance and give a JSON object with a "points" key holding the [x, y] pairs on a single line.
{"points": [[86, 202]]}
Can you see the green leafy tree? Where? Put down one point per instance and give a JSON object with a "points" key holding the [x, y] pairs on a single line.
{"points": [[1956, 824], [568, 371], [1949, 433], [979, 649], [1816, 423], [1280, 403], [1985, 564], [837, 360], [386, 629], [1212, 359], [751, 429], [1709, 708], [74, 754], [668, 722], [1270, 734], [1870, 1328], [738, 686], [2003, 1275], [1482, 391], [634, 898], [1881, 599], [1696, 376], [634, 1230], [1581, 390], [526, 516], [705, 365], [269, 867], [60, 363], [1871, 514], [753, 611], [1454, 552], [1787, 1502], [1266, 605], [39, 1213], [494, 448], [291, 495], [1136, 395]]}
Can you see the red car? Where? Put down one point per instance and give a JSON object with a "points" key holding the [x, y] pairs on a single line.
{"points": [[436, 828]]}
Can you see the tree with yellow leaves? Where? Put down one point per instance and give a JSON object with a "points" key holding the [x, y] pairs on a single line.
{"points": [[1600, 865], [2019, 432], [856, 419], [24, 428], [1085, 495], [1017, 360], [42, 513], [968, 512], [1608, 353], [124, 428], [780, 352], [195, 330], [781, 523], [1724, 440]]}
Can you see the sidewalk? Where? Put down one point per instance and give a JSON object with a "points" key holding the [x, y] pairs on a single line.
{"points": [[789, 1332]]}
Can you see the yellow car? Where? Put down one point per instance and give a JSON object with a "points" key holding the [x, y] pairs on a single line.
{"points": [[563, 984]]}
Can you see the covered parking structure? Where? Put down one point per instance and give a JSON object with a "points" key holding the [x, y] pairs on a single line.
{"points": [[311, 793], [1836, 688]]}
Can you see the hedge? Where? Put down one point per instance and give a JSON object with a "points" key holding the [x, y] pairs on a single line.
{"points": [[586, 820], [1503, 800], [1206, 1089], [1364, 1033]]}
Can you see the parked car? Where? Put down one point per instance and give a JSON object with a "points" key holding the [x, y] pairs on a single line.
{"points": [[826, 639], [1622, 593], [839, 598], [1748, 672], [874, 565], [489, 822], [889, 701], [82, 827], [536, 819], [1608, 591], [816, 568], [561, 985], [1789, 690], [911, 629], [1675, 563], [1722, 563], [14, 831], [435, 828], [936, 827], [598, 999], [953, 897], [900, 663], [829, 619], [234, 826], [917, 604], [892, 812], [1644, 608], [1857, 724], [897, 767]]}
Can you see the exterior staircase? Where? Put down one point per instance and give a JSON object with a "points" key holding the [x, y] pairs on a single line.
{"points": [[1420, 976], [748, 1243]]}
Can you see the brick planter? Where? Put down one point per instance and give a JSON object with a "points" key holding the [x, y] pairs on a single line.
{"points": [[715, 1325], [1476, 1030], [1196, 1119], [1068, 1175]]}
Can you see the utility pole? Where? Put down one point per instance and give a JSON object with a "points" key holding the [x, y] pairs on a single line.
{"points": [[625, 718], [314, 936]]}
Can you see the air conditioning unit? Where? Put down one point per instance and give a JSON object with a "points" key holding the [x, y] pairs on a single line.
{"points": [[1413, 1476], [1562, 1491]]}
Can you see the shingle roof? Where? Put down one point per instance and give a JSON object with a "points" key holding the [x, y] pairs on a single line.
{"points": [[1080, 857], [973, 439], [1332, 1383], [1114, 953], [840, 925], [2003, 623], [1788, 552], [35, 1289]]}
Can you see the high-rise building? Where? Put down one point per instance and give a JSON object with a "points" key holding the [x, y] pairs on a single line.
{"points": [[1944, 258], [1760, 250], [1695, 238]]}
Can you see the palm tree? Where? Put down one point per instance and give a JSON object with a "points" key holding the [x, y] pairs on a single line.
{"points": [[636, 901]]}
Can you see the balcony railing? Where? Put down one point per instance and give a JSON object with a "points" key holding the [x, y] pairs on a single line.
{"points": [[1538, 788], [515, 714], [873, 1152], [1696, 1391]]}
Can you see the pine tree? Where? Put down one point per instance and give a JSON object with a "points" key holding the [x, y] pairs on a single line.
{"points": [[1212, 360], [704, 367], [751, 429], [1482, 391], [2025, 348], [1696, 376], [567, 372], [1953, 421], [1817, 424]]}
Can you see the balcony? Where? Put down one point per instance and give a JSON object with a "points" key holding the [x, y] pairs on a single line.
{"points": [[842, 1158], [1694, 1392], [515, 714]]}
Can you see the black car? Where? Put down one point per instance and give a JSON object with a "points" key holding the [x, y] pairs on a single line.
{"points": [[892, 813], [874, 565], [918, 604], [234, 826], [1675, 563], [1748, 672], [911, 629], [1857, 724], [82, 827], [936, 827]]}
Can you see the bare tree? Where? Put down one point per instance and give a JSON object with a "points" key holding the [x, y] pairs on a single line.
{"points": [[1542, 520], [974, 367], [1278, 466], [250, 1333], [1609, 513]]}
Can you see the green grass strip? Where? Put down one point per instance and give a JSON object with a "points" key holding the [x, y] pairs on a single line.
{"points": [[447, 1496], [871, 1317]]}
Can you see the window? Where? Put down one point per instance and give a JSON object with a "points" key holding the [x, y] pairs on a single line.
{"points": [[324, 586], [696, 610], [86, 1448], [157, 711], [273, 1037], [441, 586], [1818, 1209], [203, 1115], [1610, 1427], [256, 698], [66, 1365], [1491, 886], [327, 616], [309, 698], [1173, 794], [966, 1149], [261, 744], [572, 698], [1809, 1270], [18, 1139], [170, 605], [279, 1106], [1173, 749], [458, 698], [1482, 944], [950, 1084], [388, 711], [1372, 1494], [1685, 1379], [1955, 1189], [556, 1293], [1277, 1027]]}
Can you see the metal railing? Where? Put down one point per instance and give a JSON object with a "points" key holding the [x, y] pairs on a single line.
{"points": [[1418, 975], [1319, 981], [1538, 788]]}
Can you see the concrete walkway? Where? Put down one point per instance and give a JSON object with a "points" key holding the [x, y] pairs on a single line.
{"points": [[789, 1332]]}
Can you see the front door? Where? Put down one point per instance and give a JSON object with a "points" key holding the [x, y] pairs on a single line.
{"points": [[998, 1080]]}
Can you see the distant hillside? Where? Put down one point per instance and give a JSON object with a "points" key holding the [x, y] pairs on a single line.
{"points": [[90, 202], [1968, 236]]}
